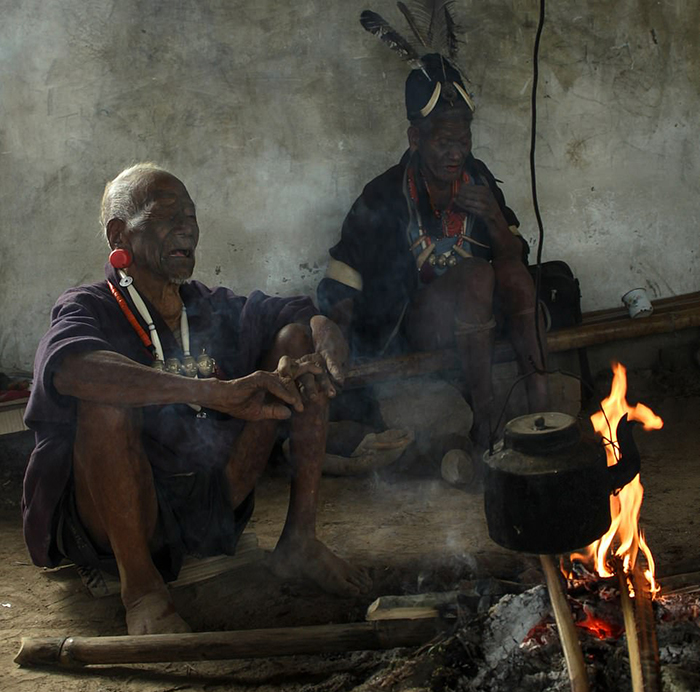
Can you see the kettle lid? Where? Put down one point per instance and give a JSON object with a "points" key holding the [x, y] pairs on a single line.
{"points": [[541, 433]]}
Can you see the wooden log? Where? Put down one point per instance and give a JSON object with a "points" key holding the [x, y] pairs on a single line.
{"points": [[71, 652], [680, 583], [568, 635], [670, 315], [596, 333]]}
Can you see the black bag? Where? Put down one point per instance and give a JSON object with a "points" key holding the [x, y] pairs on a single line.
{"points": [[560, 294]]}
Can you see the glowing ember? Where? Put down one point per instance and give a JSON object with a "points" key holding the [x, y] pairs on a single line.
{"points": [[623, 538], [600, 628]]}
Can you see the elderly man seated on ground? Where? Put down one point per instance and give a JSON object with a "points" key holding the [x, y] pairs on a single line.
{"points": [[430, 255], [156, 404]]}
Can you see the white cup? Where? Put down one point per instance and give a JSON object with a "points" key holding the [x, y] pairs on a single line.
{"points": [[638, 303]]}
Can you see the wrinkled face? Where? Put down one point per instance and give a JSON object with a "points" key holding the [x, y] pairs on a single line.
{"points": [[163, 234], [444, 149]]}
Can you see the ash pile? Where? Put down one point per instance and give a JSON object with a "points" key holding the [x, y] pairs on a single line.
{"points": [[510, 643]]}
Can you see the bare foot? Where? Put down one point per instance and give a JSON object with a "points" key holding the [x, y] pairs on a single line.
{"points": [[154, 613], [312, 560]]}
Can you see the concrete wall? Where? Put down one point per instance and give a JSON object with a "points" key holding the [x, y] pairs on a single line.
{"points": [[276, 113]]}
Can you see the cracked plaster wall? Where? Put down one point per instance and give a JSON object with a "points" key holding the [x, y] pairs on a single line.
{"points": [[275, 114]]}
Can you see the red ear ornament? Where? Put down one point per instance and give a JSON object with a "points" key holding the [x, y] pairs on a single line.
{"points": [[120, 258]]}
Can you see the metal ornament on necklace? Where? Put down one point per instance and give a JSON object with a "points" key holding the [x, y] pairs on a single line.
{"points": [[204, 365], [189, 367], [452, 256]]}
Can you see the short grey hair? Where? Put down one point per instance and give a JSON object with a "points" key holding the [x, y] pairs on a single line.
{"points": [[119, 200]]}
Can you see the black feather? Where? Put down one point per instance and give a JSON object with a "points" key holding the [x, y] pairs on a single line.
{"points": [[450, 33], [436, 24], [377, 25], [412, 23]]}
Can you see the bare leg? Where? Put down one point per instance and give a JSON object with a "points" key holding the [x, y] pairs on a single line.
{"points": [[457, 308], [117, 505], [298, 553], [474, 341], [517, 293]]}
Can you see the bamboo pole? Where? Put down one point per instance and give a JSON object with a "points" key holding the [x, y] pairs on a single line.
{"points": [[646, 631], [72, 652], [630, 631], [565, 624], [626, 328]]}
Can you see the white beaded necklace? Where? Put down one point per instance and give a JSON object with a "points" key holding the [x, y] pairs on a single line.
{"points": [[189, 366]]}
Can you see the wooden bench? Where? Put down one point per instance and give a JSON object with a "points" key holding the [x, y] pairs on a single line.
{"points": [[598, 327]]}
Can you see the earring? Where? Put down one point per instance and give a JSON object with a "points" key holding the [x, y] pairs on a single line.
{"points": [[120, 258]]}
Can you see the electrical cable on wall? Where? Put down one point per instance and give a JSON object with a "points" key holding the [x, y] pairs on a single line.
{"points": [[540, 226], [533, 180]]}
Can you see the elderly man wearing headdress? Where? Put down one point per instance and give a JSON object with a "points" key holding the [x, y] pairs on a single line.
{"points": [[430, 256], [156, 402]]}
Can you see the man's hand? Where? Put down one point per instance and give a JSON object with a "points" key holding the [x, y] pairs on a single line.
{"points": [[259, 396], [332, 348], [479, 200]]}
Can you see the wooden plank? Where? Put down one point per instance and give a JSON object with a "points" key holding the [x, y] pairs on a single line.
{"points": [[194, 570], [410, 607], [660, 305], [12, 416]]}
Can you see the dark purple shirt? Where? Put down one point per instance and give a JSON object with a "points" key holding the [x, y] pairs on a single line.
{"points": [[236, 331]]}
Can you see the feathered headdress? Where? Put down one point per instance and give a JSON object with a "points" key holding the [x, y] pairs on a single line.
{"points": [[434, 74]]}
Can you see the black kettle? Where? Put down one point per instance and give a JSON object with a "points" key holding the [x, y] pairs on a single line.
{"points": [[547, 489]]}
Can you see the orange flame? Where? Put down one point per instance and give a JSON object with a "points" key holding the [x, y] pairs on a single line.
{"points": [[623, 535]]}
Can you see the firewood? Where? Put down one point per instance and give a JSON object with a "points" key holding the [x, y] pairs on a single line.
{"points": [[424, 605], [680, 583], [646, 631], [630, 631], [71, 652], [565, 624], [412, 607], [640, 630]]}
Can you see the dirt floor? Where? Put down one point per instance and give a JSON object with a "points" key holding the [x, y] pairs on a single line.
{"points": [[413, 533]]}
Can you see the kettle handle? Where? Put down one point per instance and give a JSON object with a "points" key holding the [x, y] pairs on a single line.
{"points": [[629, 464]]}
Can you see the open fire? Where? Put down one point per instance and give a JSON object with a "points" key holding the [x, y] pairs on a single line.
{"points": [[624, 539]]}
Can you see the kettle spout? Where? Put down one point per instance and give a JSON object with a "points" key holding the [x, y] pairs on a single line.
{"points": [[629, 464]]}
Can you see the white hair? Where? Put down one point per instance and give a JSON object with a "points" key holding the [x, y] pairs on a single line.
{"points": [[119, 199]]}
